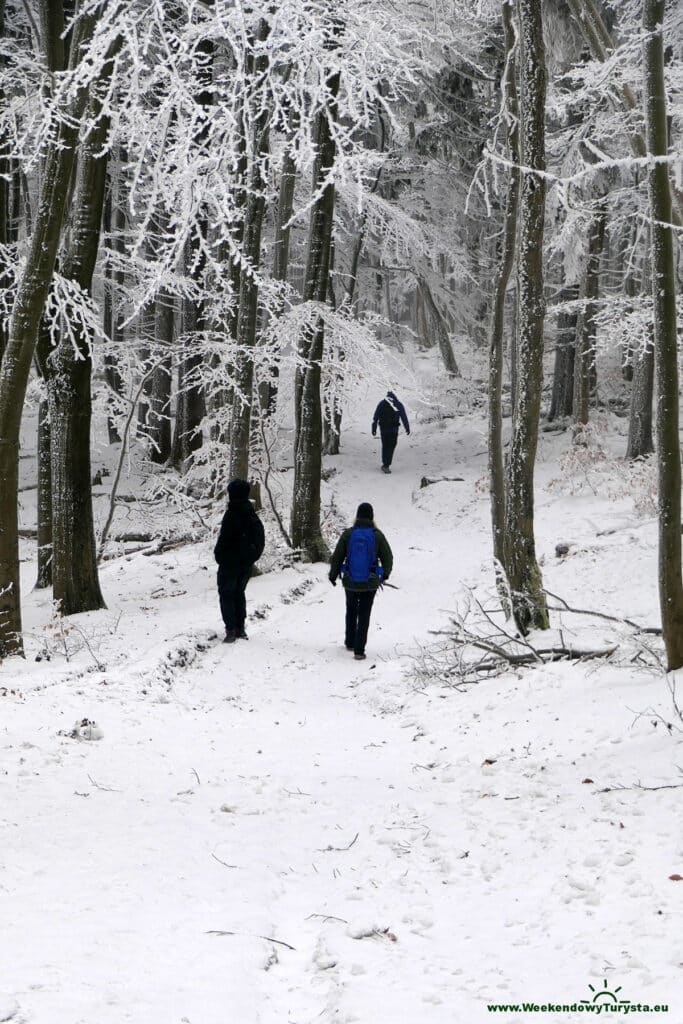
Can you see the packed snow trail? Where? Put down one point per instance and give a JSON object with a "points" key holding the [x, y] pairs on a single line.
{"points": [[271, 832]]}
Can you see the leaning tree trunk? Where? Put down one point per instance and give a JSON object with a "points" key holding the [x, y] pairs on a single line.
{"points": [[24, 324], [584, 365], [240, 430], [666, 353], [562, 399], [75, 578], [507, 258], [601, 44], [524, 575], [441, 327], [306, 533]]}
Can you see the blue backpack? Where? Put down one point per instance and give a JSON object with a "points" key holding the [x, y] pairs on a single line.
{"points": [[361, 555]]}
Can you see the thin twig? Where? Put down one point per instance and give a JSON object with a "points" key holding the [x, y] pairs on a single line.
{"points": [[266, 938], [341, 849], [654, 630], [224, 863], [105, 789]]}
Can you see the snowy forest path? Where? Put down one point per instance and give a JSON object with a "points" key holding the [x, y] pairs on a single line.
{"points": [[271, 832]]}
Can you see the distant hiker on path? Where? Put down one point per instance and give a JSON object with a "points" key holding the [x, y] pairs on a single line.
{"points": [[389, 413], [240, 544], [364, 560]]}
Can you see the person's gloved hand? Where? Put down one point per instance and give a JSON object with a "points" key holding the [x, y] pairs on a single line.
{"points": [[374, 431], [332, 579], [408, 432]]}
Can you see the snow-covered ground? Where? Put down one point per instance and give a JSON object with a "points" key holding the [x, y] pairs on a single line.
{"points": [[274, 833]]}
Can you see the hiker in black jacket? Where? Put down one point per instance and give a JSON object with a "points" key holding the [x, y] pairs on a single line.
{"points": [[240, 544], [360, 593], [389, 413]]}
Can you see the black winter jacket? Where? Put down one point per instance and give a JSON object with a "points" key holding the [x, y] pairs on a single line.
{"points": [[241, 540], [384, 555], [388, 414]]}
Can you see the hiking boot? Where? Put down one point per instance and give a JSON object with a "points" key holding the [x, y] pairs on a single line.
{"points": [[359, 657], [385, 469], [349, 647], [241, 634], [230, 636]]}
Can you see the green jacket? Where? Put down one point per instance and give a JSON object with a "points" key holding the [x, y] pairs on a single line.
{"points": [[384, 557]]}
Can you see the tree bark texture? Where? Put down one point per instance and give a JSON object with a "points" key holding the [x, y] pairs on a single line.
{"points": [[44, 497], [666, 352], [305, 519], [507, 259], [640, 442], [523, 572], [584, 365], [75, 577], [240, 430], [562, 399], [159, 417], [283, 214], [23, 331]]}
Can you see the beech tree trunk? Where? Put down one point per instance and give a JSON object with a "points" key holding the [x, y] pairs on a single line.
{"points": [[44, 497], [240, 431], [114, 226], [507, 258], [584, 367], [640, 441], [75, 578], [283, 214], [524, 575], [665, 337], [305, 519], [562, 400], [23, 330], [159, 417]]}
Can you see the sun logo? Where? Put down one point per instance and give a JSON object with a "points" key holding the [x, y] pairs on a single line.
{"points": [[606, 995]]}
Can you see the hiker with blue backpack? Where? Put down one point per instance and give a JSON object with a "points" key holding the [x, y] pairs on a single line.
{"points": [[389, 414], [364, 560]]}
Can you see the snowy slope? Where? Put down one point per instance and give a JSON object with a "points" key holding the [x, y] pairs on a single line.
{"points": [[272, 832]]}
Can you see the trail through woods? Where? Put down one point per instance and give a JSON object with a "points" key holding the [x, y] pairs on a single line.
{"points": [[272, 832]]}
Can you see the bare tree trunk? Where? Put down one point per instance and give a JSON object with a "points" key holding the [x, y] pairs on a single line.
{"points": [[640, 441], [665, 326], [114, 226], [562, 400], [441, 328], [584, 367], [44, 498], [23, 332], [305, 520], [75, 578], [190, 405], [283, 214], [523, 572], [240, 431], [507, 258], [159, 418]]}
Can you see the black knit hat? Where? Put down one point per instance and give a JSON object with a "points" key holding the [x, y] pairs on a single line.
{"points": [[365, 511], [238, 490]]}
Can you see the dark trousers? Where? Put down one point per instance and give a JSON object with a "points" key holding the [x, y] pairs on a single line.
{"points": [[358, 608], [389, 441], [231, 586]]}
